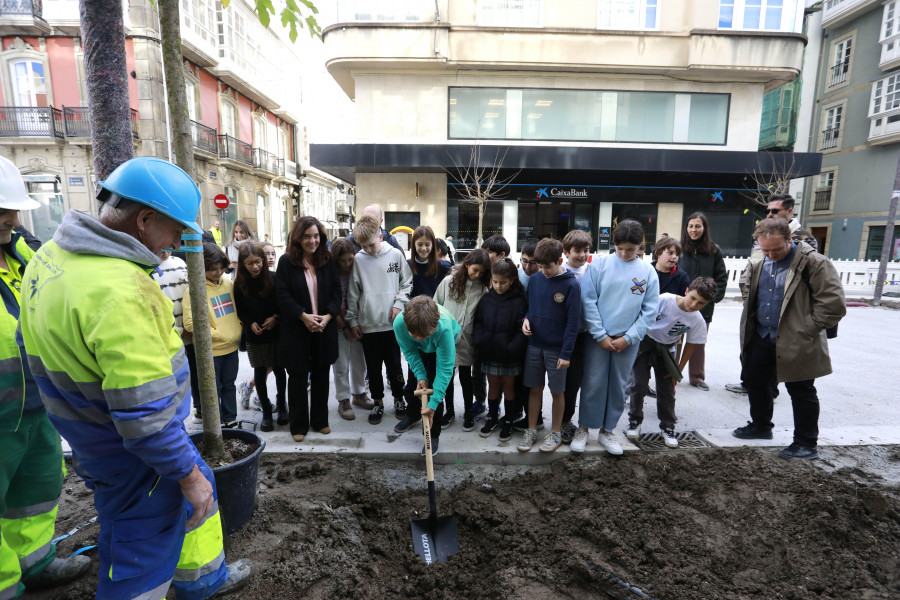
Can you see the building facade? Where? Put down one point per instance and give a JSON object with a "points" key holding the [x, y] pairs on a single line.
{"points": [[593, 111], [246, 139], [856, 127]]}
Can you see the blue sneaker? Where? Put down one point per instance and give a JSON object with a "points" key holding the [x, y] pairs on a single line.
{"points": [[478, 409]]}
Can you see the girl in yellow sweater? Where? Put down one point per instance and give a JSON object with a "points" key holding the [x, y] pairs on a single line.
{"points": [[225, 326]]}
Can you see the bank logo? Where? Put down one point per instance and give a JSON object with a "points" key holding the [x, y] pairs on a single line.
{"points": [[717, 197], [542, 193], [552, 192]]}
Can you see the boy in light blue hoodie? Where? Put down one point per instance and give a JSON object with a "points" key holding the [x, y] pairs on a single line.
{"points": [[619, 295]]}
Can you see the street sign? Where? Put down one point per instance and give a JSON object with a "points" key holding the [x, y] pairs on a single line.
{"points": [[221, 201]]}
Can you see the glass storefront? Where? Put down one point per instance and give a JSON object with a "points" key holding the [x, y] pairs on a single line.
{"points": [[44, 220]]}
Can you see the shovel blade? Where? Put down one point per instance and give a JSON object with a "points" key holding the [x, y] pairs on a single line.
{"points": [[435, 540]]}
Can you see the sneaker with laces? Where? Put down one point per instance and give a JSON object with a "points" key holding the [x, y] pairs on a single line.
{"points": [[345, 411], [407, 422], [254, 403], [751, 431], [230, 425], [376, 414], [505, 429], [668, 436], [634, 430], [246, 390], [447, 420], [434, 447], [399, 408], [567, 432], [527, 440], [363, 401], [579, 440], [608, 440], [198, 418], [490, 424], [736, 388], [796, 450], [520, 425], [468, 421], [551, 442]]}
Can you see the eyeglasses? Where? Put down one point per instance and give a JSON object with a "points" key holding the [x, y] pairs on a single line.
{"points": [[526, 262], [774, 211]]}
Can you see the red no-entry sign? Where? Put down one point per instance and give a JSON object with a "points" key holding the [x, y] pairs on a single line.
{"points": [[221, 201]]}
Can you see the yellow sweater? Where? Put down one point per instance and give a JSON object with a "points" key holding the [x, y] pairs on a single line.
{"points": [[223, 319]]}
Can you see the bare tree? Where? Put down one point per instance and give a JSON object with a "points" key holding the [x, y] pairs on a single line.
{"points": [[774, 180], [481, 183]]}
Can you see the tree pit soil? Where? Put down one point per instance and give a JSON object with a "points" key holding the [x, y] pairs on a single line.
{"points": [[235, 450], [707, 524]]}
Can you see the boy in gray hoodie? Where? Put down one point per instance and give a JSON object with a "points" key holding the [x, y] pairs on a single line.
{"points": [[379, 289]]}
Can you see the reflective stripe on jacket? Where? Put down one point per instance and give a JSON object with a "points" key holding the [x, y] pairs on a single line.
{"points": [[12, 374]]}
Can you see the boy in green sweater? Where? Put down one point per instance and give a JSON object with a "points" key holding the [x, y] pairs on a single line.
{"points": [[426, 333]]}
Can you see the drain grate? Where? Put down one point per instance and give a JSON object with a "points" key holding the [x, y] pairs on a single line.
{"points": [[653, 442]]}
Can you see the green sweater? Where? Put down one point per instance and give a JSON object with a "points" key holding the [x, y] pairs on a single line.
{"points": [[442, 342]]}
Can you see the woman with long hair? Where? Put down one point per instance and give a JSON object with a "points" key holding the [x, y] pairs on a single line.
{"points": [[308, 288], [240, 232], [257, 308], [701, 257]]}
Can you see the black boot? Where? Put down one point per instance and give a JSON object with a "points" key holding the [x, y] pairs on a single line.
{"points": [[266, 423], [283, 417]]}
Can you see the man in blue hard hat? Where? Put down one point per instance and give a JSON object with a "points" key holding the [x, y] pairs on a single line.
{"points": [[31, 467], [114, 379]]}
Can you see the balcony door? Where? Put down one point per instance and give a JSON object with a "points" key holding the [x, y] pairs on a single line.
{"points": [[30, 96]]}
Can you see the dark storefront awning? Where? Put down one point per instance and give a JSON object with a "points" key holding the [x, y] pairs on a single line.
{"points": [[549, 164]]}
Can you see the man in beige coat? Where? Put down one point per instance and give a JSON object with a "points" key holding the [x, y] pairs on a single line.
{"points": [[794, 295]]}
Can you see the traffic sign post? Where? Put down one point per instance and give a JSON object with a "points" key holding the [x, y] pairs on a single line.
{"points": [[221, 201]]}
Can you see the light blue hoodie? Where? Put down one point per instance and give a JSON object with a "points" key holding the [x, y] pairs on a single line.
{"points": [[619, 298]]}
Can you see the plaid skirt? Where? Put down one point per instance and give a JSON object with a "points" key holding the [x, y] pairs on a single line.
{"points": [[263, 355], [492, 368]]}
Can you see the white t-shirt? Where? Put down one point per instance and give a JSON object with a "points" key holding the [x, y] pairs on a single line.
{"points": [[579, 272], [672, 323]]}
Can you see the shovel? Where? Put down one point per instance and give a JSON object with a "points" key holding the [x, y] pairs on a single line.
{"points": [[434, 538]]}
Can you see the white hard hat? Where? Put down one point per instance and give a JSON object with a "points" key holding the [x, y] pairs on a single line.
{"points": [[12, 189]]}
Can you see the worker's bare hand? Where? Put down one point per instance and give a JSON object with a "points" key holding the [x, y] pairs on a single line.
{"points": [[526, 327], [199, 492]]}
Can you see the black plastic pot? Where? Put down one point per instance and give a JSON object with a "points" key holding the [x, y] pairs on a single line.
{"points": [[236, 483]]}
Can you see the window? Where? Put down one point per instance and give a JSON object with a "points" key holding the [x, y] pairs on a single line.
{"points": [[29, 87], [588, 115], [198, 18], [884, 110], [510, 13], [875, 243], [831, 133], [190, 92], [228, 125], [824, 189], [259, 132], [628, 14], [284, 144], [890, 22], [234, 42], [768, 15], [840, 62], [49, 215], [262, 223], [230, 214]]}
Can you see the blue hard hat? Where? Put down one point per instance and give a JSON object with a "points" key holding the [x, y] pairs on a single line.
{"points": [[160, 185]]}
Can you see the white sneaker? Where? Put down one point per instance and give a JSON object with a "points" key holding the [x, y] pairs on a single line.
{"points": [[551, 442], [245, 391], [668, 436], [634, 430], [527, 440], [579, 442], [607, 439]]}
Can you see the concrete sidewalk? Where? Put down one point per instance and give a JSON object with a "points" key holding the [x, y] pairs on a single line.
{"points": [[857, 400]]}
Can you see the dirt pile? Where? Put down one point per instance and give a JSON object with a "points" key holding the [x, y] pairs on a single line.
{"points": [[714, 524]]}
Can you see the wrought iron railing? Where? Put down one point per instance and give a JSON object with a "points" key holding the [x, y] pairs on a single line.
{"points": [[31, 121], [235, 149], [839, 72], [290, 169], [135, 124], [265, 161], [34, 8], [204, 137], [823, 199], [77, 120], [830, 137]]}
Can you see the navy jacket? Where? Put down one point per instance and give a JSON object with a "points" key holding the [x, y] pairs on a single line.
{"points": [[554, 312], [498, 328], [422, 283], [672, 283]]}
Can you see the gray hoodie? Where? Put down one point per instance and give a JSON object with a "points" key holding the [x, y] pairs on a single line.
{"points": [[377, 284]]}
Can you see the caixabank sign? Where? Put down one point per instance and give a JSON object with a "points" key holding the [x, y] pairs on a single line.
{"points": [[560, 193]]}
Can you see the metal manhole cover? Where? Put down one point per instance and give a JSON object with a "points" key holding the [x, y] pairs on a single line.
{"points": [[653, 442]]}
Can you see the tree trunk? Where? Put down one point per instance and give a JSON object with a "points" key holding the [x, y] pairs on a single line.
{"points": [[482, 203], [170, 32], [106, 79]]}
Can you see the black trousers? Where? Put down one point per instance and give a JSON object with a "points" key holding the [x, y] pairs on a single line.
{"points": [[414, 404], [308, 412], [757, 374], [665, 394], [381, 348], [195, 383], [573, 376]]}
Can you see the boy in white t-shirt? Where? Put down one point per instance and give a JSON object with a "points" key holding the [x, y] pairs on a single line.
{"points": [[677, 316]]}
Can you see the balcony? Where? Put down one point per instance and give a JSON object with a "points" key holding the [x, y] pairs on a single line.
{"points": [[290, 169], [234, 149], [265, 161], [823, 200], [78, 122], [31, 121], [23, 17], [838, 12], [839, 73], [830, 138], [204, 138], [780, 112]]}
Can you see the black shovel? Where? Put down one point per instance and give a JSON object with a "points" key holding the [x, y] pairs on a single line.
{"points": [[434, 538]]}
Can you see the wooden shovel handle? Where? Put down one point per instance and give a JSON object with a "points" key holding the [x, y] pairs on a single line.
{"points": [[426, 430]]}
